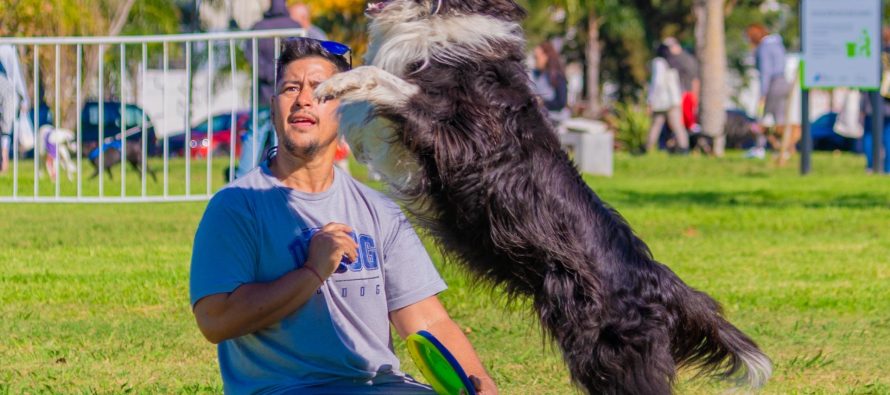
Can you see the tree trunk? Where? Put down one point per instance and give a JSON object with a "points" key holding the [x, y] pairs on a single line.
{"points": [[713, 62], [594, 53]]}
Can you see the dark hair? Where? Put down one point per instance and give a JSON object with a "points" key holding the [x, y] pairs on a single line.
{"points": [[301, 47], [553, 68], [663, 51]]}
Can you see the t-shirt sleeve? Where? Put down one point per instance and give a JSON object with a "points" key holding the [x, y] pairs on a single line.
{"points": [[408, 270], [224, 252]]}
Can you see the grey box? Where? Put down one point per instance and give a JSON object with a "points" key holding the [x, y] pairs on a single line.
{"points": [[590, 143]]}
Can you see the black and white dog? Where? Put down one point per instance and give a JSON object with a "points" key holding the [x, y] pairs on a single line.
{"points": [[446, 114]]}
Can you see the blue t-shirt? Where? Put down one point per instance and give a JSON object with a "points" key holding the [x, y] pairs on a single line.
{"points": [[256, 230]]}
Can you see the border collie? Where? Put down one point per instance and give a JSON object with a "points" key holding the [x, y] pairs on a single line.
{"points": [[446, 114]]}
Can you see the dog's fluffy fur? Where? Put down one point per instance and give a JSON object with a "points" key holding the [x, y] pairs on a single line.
{"points": [[447, 115]]}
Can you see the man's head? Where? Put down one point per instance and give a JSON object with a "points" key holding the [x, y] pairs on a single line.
{"points": [[300, 12], [673, 45], [304, 126], [756, 32]]}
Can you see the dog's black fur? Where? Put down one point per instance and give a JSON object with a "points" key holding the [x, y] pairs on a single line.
{"points": [[112, 156], [501, 196]]}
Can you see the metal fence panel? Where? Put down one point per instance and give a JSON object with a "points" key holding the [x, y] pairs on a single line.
{"points": [[103, 130]]}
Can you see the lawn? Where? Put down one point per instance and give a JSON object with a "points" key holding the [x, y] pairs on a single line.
{"points": [[94, 297]]}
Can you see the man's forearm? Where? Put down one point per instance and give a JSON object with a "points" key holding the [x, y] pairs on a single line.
{"points": [[254, 306], [453, 338], [430, 315]]}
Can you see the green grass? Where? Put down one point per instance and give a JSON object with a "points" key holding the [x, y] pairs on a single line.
{"points": [[111, 186], [94, 297]]}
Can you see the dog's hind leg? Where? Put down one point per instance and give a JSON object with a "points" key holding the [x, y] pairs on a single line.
{"points": [[611, 344]]}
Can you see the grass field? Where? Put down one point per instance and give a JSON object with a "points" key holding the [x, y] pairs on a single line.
{"points": [[94, 297]]}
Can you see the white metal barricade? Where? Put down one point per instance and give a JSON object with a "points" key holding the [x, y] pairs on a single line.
{"points": [[29, 179]]}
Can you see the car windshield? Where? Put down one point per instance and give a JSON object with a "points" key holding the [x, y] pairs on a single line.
{"points": [[220, 122]]}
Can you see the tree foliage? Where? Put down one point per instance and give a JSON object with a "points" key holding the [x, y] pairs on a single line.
{"points": [[65, 18], [344, 21]]}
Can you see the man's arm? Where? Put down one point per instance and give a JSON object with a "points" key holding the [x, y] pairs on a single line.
{"points": [[430, 315], [255, 306]]}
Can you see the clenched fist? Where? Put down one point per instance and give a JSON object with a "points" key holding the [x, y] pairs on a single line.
{"points": [[328, 246]]}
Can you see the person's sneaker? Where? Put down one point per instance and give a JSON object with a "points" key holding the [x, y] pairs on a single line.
{"points": [[756, 153]]}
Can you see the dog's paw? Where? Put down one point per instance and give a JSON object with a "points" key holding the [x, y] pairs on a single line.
{"points": [[354, 85]]}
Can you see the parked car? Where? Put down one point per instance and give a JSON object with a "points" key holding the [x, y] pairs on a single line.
{"points": [[220, 144], [132, 119]]}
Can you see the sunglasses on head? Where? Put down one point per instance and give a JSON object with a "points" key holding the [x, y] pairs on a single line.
{"points": [[338, 49], [331, 47]]}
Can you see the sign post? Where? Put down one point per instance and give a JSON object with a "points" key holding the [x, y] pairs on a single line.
{"points": [[841, 48]]}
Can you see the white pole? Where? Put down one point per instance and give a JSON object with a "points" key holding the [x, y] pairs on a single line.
{"points": [[210, 113], [77, 85], [187, 124], [36, 107], [123, 121], [234, 107], [254, 82], [57, 117], [144, 132], [164, 117], [101, 141]]}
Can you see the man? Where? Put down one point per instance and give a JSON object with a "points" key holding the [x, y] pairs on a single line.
{"points": [[13, 99], [867, 111], [298, 270], [279, 16], [769, 54], [301, 13]]}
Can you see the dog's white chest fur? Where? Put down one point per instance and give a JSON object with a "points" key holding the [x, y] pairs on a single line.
{"points": [[373, 140]]}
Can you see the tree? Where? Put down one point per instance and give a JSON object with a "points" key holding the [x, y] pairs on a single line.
{"points": [[65, 18], [344, 21], [712, 56]]}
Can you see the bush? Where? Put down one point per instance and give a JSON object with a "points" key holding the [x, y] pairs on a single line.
{"points": [[630, 121]]}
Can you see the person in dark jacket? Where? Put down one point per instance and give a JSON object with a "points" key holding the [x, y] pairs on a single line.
{"points": [[279, 16]]}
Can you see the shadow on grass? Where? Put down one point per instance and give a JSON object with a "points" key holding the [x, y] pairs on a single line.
{"points": [[755, 198]]}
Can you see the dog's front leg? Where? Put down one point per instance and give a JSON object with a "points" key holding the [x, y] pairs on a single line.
{"points": [[368, 93], [369, 84]]}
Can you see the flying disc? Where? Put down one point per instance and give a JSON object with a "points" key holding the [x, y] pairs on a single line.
{"points": [[438, 366]]}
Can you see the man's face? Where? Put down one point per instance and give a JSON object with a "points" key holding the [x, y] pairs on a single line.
{"points": [[304, 126]]}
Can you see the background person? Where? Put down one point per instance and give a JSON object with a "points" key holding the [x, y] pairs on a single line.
{"points": [[303, 15], [279, 16], [690, 83], [298, 270], [13, 99], [550, 82], [769, 54], [665, 97], [868, 135]]}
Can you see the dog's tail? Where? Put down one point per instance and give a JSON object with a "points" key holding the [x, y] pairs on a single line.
{"points": [[704, 339]]}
